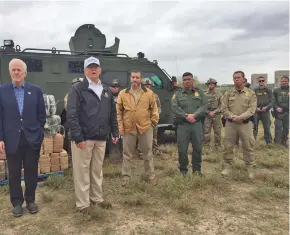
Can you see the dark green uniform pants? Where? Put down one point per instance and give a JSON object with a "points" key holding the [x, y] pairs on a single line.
{"points": [[190, 133], [265, 118], [281, 128]]}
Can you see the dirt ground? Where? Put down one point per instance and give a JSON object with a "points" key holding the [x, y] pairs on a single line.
{"points": [[210, 204]]}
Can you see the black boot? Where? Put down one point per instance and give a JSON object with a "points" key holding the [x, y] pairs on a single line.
{"points": [[17, 211], [32, 207]]}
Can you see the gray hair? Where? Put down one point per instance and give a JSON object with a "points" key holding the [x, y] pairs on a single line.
{"points": [[23, 63]]}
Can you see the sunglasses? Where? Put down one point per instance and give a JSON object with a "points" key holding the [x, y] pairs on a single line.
{"points": [[261, 80]]}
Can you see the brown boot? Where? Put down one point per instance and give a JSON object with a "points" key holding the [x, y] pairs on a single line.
{"points": [[85, 211], [105, 204]]}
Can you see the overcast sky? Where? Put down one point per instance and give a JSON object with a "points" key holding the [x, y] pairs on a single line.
{"points": [[209, 39]]}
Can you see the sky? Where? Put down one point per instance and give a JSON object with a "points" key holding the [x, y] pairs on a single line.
{"points": [[206, 38]]}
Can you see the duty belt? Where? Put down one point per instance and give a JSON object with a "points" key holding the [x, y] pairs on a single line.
{"points": [[244, 122]]}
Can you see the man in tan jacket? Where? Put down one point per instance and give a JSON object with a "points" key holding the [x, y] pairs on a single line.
{"points": [[137, 115]]}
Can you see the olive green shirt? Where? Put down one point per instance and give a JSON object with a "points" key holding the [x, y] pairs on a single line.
{"points": [[189, 102], [240, 103], [281, 98]]}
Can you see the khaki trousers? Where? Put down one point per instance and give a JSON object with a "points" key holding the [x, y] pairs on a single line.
{"points": [[145, 141], [245, 133], [88, 172]]}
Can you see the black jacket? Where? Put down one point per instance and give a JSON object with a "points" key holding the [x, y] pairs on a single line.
{"points": [[88, 117]]}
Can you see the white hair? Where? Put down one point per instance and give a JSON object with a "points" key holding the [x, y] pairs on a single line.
{"points": [[23, 64]]}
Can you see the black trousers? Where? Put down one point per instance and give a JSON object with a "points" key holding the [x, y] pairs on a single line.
{"points": [[27, 157]]}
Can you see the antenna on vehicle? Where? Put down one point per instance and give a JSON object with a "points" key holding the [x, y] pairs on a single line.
{"points": [[176, 66]]}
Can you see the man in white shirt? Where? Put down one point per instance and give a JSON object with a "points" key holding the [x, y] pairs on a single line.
{"points": [[91, 117]]}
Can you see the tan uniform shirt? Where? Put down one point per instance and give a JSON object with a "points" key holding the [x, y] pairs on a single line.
{"points": [[240, 103]]}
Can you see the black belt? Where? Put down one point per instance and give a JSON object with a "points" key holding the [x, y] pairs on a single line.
{"points": [[244, 122]]}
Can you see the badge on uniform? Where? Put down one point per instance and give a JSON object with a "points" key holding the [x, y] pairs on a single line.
{"points": [[173, 97], [106, 95], [196, 93]]}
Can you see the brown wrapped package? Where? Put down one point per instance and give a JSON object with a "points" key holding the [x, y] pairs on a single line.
{"points": [[63, 160], [45, 168], [54, 161], [54, 168], [48, 144], [57, 143], [54, 155], [63, 154], [44, 159], [63, 166]]}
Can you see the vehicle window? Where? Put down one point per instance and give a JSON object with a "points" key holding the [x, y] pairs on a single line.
{"points": [[156, 81], [122, 76], [75, 66], [34, 65]]}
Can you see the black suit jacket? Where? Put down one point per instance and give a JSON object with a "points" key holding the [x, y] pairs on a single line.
{"points": [[32, 120]]}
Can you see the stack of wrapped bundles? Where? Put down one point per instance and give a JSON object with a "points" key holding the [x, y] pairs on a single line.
{"points": [[53, 157], [59, 157]]}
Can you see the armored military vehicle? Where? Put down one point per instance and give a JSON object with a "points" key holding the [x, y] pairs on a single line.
{"points": [[53, 69]]}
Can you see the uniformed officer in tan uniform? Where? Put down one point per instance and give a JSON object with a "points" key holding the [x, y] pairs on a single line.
{"points": [[239, 104], [213, 117]]}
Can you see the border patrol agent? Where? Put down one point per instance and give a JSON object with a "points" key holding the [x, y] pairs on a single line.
{"points": [[213, 117], [189, 108], [281, 111], [239, 104], [264, 104]]}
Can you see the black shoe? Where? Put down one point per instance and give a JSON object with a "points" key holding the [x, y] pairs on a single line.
{"points": [[17, 211], [32, 207]]}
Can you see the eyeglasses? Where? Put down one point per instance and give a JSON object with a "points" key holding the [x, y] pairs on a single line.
{"points": [[261, 80]]}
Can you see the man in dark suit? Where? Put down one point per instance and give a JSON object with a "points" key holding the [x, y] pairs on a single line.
{"points": [[22, 120]]}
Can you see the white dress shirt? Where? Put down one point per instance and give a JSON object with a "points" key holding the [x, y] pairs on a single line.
{"points": [[96, 87]]}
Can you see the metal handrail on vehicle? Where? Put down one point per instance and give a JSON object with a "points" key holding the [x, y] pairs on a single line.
{"points": [[85, 52], [166, 73]]}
